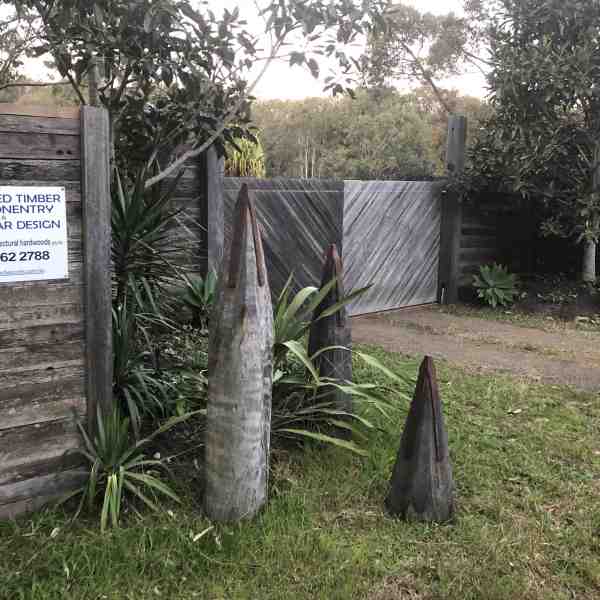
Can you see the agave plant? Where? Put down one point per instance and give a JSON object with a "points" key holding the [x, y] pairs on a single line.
{"points": [[119, 469], [198, 295], [495, 285]]}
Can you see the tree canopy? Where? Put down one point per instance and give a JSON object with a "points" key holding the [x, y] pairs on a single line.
{"points": [[171, 72], [542, 140], [381, 134]]}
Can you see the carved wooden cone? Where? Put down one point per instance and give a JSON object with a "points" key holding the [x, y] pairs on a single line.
{"points": [[240, 377], [422, 488], [333, 331]]}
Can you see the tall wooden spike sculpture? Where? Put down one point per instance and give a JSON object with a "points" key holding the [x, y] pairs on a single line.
{"points": [[334, 330], [240, 377], [422, 488]]}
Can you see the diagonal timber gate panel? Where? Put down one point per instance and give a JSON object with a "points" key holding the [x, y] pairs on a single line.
{"points": [[392, 240]]}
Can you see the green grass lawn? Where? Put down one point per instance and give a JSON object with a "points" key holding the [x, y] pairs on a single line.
{"points": [[527, 468]]}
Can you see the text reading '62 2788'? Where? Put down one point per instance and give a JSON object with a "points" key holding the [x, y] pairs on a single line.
{"points": [[33, 234]]}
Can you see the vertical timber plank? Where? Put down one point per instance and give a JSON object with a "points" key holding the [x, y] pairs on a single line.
{"points": [[449, 272], [95, 143], [213, 213]]}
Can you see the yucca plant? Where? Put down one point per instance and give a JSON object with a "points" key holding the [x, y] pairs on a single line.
{"points": [[138, 382], [143, 246], [495, 285], [119, 469], [293, 314]]}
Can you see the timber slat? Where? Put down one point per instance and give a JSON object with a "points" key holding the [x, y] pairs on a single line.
{"points": [[39, 145], [34, 124], [53, 172], [70, 112], [42, 356], [26, 451], [28, 404], [49, 486]]}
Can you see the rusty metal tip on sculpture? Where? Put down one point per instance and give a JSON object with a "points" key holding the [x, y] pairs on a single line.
{"points": [[244, 216]]}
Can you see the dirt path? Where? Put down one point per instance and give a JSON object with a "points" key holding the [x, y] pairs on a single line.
{"points": [[569, 357]]}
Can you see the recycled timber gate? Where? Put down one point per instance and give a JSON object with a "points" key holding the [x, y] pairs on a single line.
{"points": [[392, 240], [55, 334]]}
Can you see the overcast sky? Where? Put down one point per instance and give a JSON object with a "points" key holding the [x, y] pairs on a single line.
{"points": [[284, 82]]}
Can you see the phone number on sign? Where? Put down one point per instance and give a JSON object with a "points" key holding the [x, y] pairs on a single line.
{"points": [[23, 256]]}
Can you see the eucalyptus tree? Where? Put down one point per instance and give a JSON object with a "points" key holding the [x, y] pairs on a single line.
{"points": [[422, 47]]}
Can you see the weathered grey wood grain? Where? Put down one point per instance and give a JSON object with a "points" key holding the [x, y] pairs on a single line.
{"points": [[452, 217], [28, 404], [422, 487], [240, 367], [43, 356], [25, 450], [54, 112], [299, 218], [48, 171], [45, 125], [48, 376], [212, 213], [48, 485], [334, 333], [96, 225], [30, 495], [39, 145], [391, 240]]}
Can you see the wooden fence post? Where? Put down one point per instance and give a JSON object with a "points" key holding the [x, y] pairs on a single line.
{"points": [[212, 214], [449, 270], [95, 142]]}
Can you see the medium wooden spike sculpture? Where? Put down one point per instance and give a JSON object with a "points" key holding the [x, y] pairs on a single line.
{"points": [[333, 331], [421, 488], [240, 377]]}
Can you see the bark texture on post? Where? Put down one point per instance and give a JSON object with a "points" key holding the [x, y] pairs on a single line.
{"points": [[422, 488], [334, 330], [240, 378]]}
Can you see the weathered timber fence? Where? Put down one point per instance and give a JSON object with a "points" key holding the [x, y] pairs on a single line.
{"points": [[392, 240], [55, 335], [300, 219]]}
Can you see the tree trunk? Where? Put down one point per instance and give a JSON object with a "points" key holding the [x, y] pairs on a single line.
{"points": [[238, 427], [589, 261]]}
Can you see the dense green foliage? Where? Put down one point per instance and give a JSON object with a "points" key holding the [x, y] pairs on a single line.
{"points": [[381, 134], [541, 142], [526, 527]]}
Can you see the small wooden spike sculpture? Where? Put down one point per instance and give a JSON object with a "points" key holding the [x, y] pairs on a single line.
{"points": [[422, 488], [333, 331], [240, 377]]}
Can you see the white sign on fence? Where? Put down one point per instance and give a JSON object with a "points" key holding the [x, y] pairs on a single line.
{"points": [[33, 234]]}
